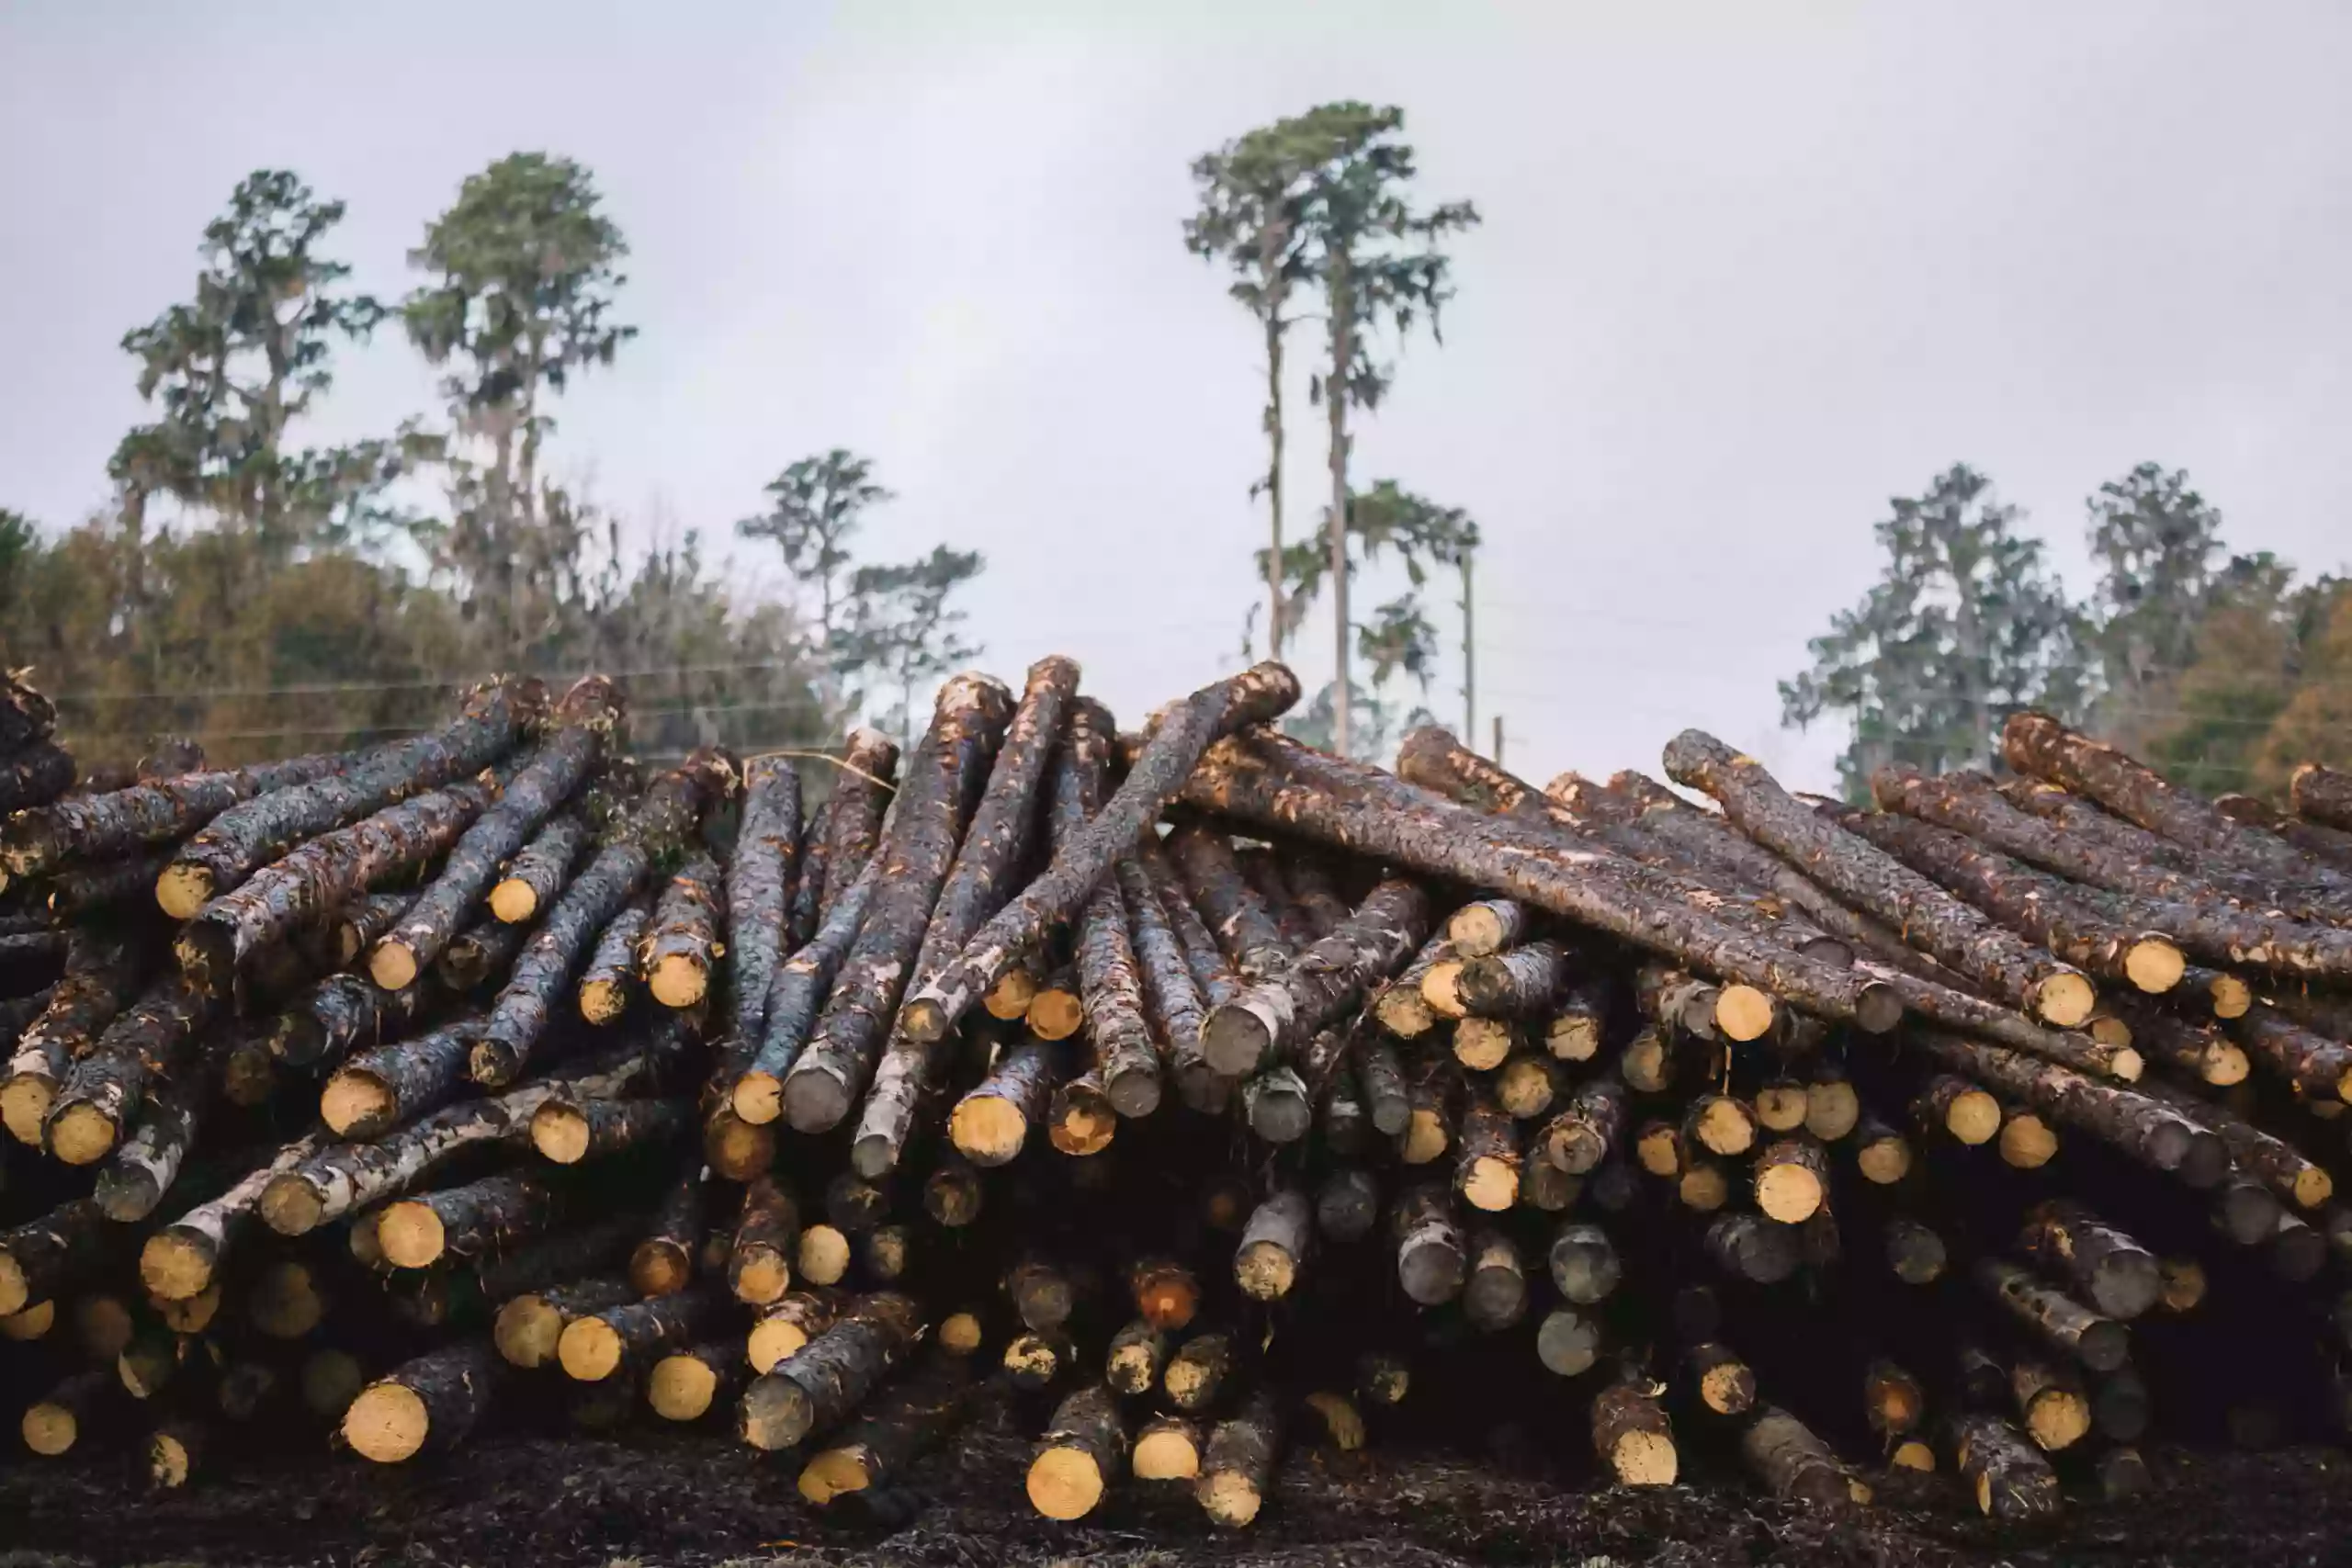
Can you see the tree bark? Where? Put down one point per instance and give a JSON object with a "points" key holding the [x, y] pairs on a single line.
{"points": [[34, 775], [2323, 796], [1237, 1467], [93, 829], [1155, 780], [2114, 1273], [1632, 1435], [2268, 1159], [248, 836], [877, 1448], [1928, 918], [2005, 1474], [831, 1376], [809, 892], [568, 1132], [863, 789], [1082, 1452], [1274, 1245], [533, 879], [2100, 1343], [839, 1062], [2142, 1127], [100, 973], [486, 1216], [142, 1169], [1273, 1019], [429, 1402], [606, 982], [583, 726], [518, 1021], [762, 880], [1591, 1127], [382, 1088], [149, 1042], [627, 1340], [1245, 928], [680, 947], [1265, 779], [54, 1253]]}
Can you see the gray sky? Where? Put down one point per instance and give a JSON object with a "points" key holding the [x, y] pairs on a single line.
{"points": [[1746, 271]]}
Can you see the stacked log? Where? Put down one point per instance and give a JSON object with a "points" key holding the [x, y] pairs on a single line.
{"points": [[1162, 1093]]}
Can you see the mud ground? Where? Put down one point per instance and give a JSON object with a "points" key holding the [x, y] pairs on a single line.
{"points": [[676, 1499]]}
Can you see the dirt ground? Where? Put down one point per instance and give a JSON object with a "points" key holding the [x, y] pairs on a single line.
{"points": [[672, 1500]]}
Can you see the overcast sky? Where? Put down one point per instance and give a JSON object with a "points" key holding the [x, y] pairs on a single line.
{"points": [[1746, 271]]}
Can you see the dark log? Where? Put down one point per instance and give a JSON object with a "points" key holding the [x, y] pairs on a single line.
{"points": [[2322, 794], [530, 1323], [245, 838], [758, 1268], [1795, 1465], [1567, 1342], [1139, 1354], [341, 1014], [1245, 927], [1521, 982], [2314, 1064], [481, 953], [809, 891], [95, 827], [1584, 1265], [2268, 1159], [790, 1323], [2037, 745], [1265, 779], [831, 1375], [1528, 1084], [863, 789], [1238, 1467], [2032, 903], [1584, 1133], [762, 879], [34, 775], [2199, 1050], [1124, 1053], [568, 1132], [1004, 826], [611, 974], [1274, 1245], [54, 1423], [2113, 1272], [582, 725], [834, 1069], [801, 988], [1081, 1122], [1155, 779], [1211, 974], [79, 892], [1928, 916], [2141, 1126], [1753, 1248], [180, 1261], [1952, 1104], [1488, 926], [2098, 1342], [25, 715], [992, 1123], [379, 1089], [432, 1402], [2330, 846], [685, 1384], [1486, 1171], [142, 1168], [534, 877], [1494, 1296], [1197, 1371], [681, 945], [1172, 998], [877, 1448], [488, 1216], [1725, 1383], [1916, 1254], [1432, 1262], [101, 973], [631, 1336], [54, 1253], [1632, 1435], [1084, 1450], [517, 1020], [2005, 1474], [102, 1091]]}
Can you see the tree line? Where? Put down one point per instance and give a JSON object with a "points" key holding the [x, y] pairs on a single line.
{"points": [[2223, 669], [266, 592]]}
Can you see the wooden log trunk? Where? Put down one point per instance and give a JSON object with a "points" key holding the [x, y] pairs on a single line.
{"points": [[1271, 1019], [533, 878], [1238, 1467], [100, 974], [430, 1403], [95, 827], [1084, 1450], [149, 1042], [381, 1088], [863, 789], [831, 1376], [680, 947], [2005, 1473], [607, 983], [2322, 794], [877, 1448]]}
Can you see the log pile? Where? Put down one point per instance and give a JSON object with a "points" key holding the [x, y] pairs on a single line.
{"points": [[1185, 1095]]}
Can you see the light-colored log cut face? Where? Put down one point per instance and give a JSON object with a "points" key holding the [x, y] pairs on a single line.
{"points": [[412, 1235], [831, 1473], [1573, 1037], [30, 1322], [2028, 1142], [1743, 1012], [1727, 1388], [1424, 1138], [603, 999], [1264, 1271], [513, 902], [1913, 1454], [771, 1340], [1230, 1498], [393, 965], [659, 1266], [387, 1423], [989, 1130], [1644, 1458], [1166, 1454], [355, 1100], [2057, 1418], [1055, 1014], [1724, 1127], [1009, 997], [1781, 1107], [169, 1460], [1831, 1109], [681, 1388], [1065, 1484], [2154, 965], [761, 1274], [1884, 1161], [824, 1255], [1703, 1188], [526, 1332], [1490, 1184], [81, 1134], [1973, 1117], [1789, 1193], [589, 1350], [1482, 1044], [959, 1333], [679, 980], [1659, 1150], [183, 889], [2065, 1000], [49, 1429]]}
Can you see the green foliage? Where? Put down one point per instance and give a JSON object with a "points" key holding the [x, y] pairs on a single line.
{"points": [[1965, 626], [817, 506]]}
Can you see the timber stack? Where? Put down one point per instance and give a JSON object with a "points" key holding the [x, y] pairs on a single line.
{"points": [[1183, 1096]]}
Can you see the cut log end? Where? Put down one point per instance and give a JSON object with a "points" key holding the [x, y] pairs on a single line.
{"points": [[171, 1460], [1009, 999], [393, 965], [815, 1102], [2057, 1418], [589, 1350], [1789, 1193], [1883, 1161], [2313, 1187], [924, 1020], [1265, 1271], [513, 901], [25, 1323], [1231, 1498], [960, 1334], [1236, 1040], [1424, 1138], [1490, 1184], [1644, 1458], [1054, 1013], [24, 1106], [988, 1129], [81, 1134], [526, 1331], [355, 1102], [603, 999], [412, 1235], [1167, 1452], [681, 1388], [1065, 1484], [679, 980], [758, 1098], [49, 1429], [1482, 1044], [1973, 1117], [1913, 1454], [560, 1132], [1743, 1013], [823, 1256], [2231, 996], [763, 1274], [183, 889], [2154, 965], [387, 1424], [2027, 1142], [175, 1267], [2064, 998], [833, 1473]]}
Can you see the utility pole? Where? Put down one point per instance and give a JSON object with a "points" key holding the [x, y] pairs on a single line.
{"points": [[1469, 661], [1499, 741]]}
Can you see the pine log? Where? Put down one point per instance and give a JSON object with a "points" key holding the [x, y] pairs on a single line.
{"points": [[2268, 1159], [2317, 1065], [144, 1167], [1432, 1260], [681, 946], [487, 1216], [2032, 903], [1485, 1170], [1275, 1017], [1488, 926], [1274, 1245], [2329, 847], [611, 974], [809, 890], [518, 1019], [685, 1384], [1519, 982], [1265, 779], [992, 1123], [1237, 1467], [483, 952], [1567, 1342], [1753, 1248], [101, 972], [54, 1253], [246, 837], [630, 1337], [831, 1376], [567, 1131], [794, 1000], [2198, 1050], [1584, 1133], [584, 723], [762, 879], [2037, 745], [2100, 1343], [1173, 1002], [1632, 1435], [2026, 1142], [147, 1042], [1795, 1465], [1955, 933], [79, 892], [1494, 1294], [1584, 1264], [534, 877], [1139, 1354], [759, 1267], [1081, 1121], [877, 1448], [790, 1323], [432, 1402], [1725, 1383], [91, 828], [1211, 974], [2142, 1127], [1124, 1053], [834, 1069], [863, 789], [529, 1325], [1245, 928], [1791, 1181], [2113, 1272], [1399, 1005], [1083, 1450], [381, 1088], [1720, 1124], [1155, 779], [2005, 1474], [340, 1014]]}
